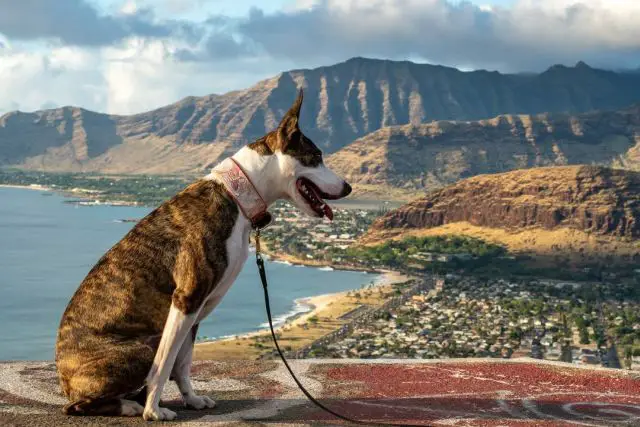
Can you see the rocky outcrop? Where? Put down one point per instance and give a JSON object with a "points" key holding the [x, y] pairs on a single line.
{"points": [[79, 133], [586, 198], [436, 154], [343, 102]]}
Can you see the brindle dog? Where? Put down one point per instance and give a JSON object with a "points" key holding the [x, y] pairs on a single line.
{"points": [[132, 322]]}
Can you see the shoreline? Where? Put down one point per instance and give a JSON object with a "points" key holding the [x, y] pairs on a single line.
{"points": [[90, 197], [304, 309], [27, 187], [323, 307], [316, 304], [295, 261]]}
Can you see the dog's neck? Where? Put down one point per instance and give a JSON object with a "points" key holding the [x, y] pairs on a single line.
{"points": [[250, 180]]}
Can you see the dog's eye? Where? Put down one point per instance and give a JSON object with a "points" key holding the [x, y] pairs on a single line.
{"points": [[311, 159]]}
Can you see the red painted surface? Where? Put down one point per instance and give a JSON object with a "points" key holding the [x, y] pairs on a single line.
{"points": [[471, 393], [521, 379], [486, 394]]}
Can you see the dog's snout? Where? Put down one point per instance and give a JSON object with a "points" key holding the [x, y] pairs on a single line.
{"points": [[346, 190]]}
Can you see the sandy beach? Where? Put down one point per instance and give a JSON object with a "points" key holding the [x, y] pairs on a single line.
{"points": [[303, 328], [27, 187], [89, 197]]}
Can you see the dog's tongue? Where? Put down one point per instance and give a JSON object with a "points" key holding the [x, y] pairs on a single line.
{"points": [[327, 211]]}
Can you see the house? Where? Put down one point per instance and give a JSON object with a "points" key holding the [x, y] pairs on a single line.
{"points": [[589, 359]]}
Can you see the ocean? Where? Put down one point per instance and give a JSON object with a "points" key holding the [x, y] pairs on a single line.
{"points": [[47, 247]]}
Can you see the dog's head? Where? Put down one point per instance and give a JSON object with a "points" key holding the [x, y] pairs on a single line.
{"points": [[306, 181]]}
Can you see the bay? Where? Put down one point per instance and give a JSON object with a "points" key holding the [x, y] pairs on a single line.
{"points": [[48, 246]]}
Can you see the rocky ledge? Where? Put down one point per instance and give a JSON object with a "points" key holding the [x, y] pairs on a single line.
{"points": [[455, 392], [587, 198]]}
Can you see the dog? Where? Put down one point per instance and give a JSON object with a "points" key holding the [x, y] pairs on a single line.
{"points": [[132, 323]]}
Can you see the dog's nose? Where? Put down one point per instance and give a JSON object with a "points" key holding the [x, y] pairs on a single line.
{"points": [[346, 190]]}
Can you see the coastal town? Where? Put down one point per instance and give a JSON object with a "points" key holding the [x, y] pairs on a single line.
{"points": [[457, 312], [462, 315], [313, 239], [466, 317]]}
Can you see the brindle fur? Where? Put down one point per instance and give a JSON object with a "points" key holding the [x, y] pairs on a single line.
{"points": [[176, 255], [290, 140], [112, 326]]}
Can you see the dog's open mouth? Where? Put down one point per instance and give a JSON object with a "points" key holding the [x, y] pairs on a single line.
{"points": [[314, 197]]}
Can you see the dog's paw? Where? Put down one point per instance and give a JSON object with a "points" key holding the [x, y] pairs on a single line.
{"points": [[199, 402], [130, 408], [158, 414]]}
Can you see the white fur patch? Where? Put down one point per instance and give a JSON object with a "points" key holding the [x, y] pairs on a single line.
{"points": [[237, 246], [131, 408]]}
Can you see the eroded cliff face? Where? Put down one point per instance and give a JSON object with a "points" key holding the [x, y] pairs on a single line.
{"points": [[436, 154], [343, 102], [587, 198]]}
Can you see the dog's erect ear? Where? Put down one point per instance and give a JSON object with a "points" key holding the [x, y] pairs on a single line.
{"points": [[289, 124]]}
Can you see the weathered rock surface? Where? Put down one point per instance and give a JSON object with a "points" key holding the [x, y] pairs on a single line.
{"points": [[586, 198], [435, 154], [343, 102]]}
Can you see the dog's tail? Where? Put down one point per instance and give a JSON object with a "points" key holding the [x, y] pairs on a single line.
{"points": [[100, 406]]}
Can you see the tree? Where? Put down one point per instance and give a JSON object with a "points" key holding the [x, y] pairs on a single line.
{"points": [[584, 336]]}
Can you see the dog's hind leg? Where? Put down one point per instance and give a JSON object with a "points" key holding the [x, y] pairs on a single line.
{"points": [[181, 374], [104, 407], [103, 381]]}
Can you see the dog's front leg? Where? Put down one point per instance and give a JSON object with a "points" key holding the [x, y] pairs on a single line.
{"points": [[175, 331], [182, 375]]}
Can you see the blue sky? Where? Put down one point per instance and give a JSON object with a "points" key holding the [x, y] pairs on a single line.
{"points": [[127, 56], [241, 7]]}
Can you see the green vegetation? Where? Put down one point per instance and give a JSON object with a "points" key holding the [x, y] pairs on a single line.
{"points": [[450, 252], [141, 189], [467, 255]]}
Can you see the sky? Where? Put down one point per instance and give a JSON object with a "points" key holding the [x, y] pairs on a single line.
{"points": [[129, 56]]}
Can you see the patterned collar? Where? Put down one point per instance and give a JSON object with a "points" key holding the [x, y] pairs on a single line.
{"points": [[242, 190]]}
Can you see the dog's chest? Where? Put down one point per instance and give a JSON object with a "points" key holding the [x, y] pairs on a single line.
{"points": [[237, 251]]}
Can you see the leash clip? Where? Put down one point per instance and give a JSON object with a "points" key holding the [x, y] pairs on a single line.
{"points": [[257, 241]]}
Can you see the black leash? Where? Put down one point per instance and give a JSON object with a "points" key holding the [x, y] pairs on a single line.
{"points": [[263, 278]]}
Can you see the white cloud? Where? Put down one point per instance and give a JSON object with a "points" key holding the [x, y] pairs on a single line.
{"points": [[141, 75], [529, 35], [30, 80], [137, 76], [130, 7], [142, 72]]}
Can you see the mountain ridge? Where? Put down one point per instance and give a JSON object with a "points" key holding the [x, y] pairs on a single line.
{"points": [[343, 102], [435, 154]]}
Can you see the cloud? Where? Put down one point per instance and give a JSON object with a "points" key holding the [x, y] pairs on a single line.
{"points": [[134, 76], [180, 6], [130, 61], [78, 23], [31, 80], [530, 35], [219, 41]]}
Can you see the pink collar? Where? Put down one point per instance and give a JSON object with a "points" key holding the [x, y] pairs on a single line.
{"points": [[242, 190]]}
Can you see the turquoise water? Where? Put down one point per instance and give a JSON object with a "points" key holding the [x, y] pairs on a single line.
{"points": [[47, 247]]}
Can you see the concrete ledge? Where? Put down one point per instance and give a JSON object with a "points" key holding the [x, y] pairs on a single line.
{"points": [[465, 392]]}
